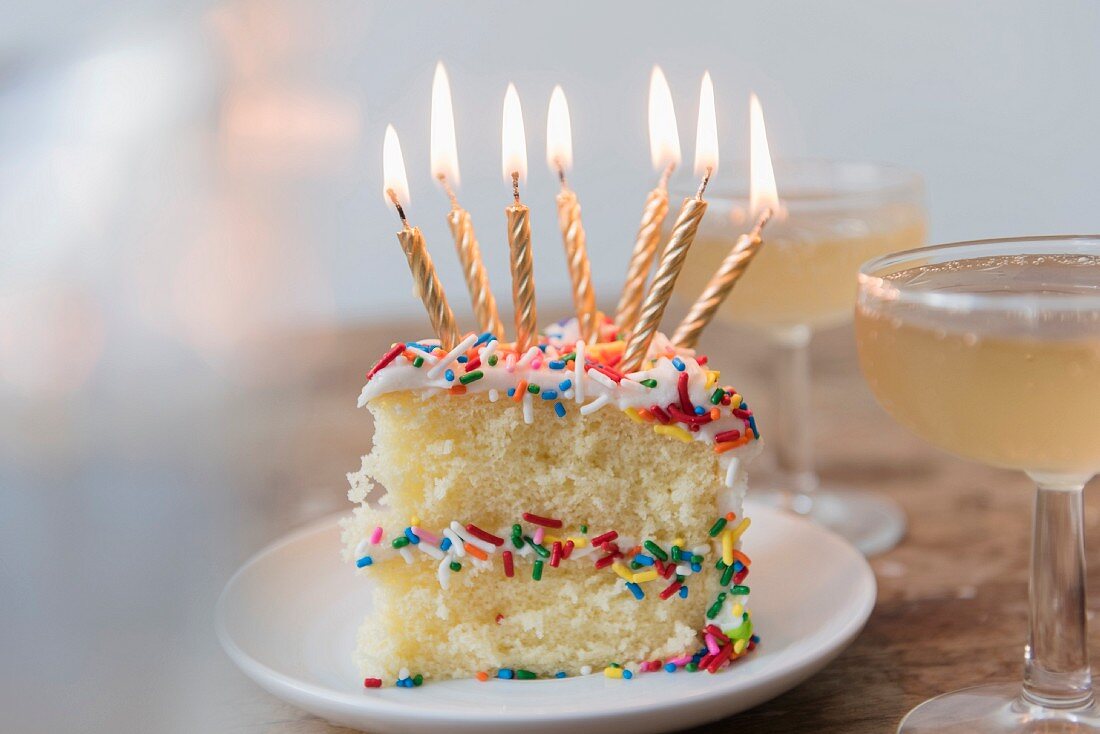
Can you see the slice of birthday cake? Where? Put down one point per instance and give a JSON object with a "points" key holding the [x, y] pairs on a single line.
{"points": [[546, 514]]}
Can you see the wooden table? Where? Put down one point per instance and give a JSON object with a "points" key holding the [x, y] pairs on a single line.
{"points": [[952, 600]]}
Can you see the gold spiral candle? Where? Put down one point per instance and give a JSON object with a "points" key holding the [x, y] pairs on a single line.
{"points": [[721, 283], [645, 247], [523, 274], [672, 259], [473, 269], [576, 255], [428, 286]]}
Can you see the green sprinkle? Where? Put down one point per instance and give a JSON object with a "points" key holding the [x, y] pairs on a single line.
{"points": [[584, 529], [739, 590], [717, 527], [533, 389], [400, 541], [691, 667], [418, 679], [456, 566], [655, 550], [716, 606], [680, 578], [493, 360], [614, 665], [517, 529], [634, 565], [517, 541], [676, 553], [418, 361], [525, 675], [649, 382], [538, 548], [720, 564], [568, 357], [717, 395], [536, 570], [727, 576], [471, 377], [696, 559]]}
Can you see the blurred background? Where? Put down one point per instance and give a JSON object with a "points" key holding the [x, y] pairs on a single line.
{"points": [[197, 265]]}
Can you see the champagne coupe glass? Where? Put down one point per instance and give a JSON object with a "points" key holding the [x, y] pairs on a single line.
{"points": [[834, 216], [991, 350]]}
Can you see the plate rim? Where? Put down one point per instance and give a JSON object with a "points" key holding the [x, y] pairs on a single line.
{"points": [[299, 692]]}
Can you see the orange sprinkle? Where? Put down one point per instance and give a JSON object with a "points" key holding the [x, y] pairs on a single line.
{"points": [[482, 676], [730, 516], [645, 415], [458, 390], [521, 388], [408, 354], [476, 552], [714, 414], [739, 556], [721, 448]]}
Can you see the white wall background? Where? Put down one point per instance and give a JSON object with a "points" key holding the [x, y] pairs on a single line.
{"points": [[197, 172]]}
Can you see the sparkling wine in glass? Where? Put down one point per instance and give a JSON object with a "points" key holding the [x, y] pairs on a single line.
{"points": [[834, 216], [991, 351]]}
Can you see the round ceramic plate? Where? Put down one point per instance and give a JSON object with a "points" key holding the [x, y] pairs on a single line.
{"points": [[288, 618]]}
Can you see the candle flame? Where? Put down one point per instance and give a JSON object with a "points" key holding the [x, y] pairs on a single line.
{"points": [[706, 131], [664, 136], [393, 169], [444, 154], [513, 143], [762, 191], [559, 133]]}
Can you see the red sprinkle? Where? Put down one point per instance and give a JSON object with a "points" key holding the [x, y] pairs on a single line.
{"points": [[705, 661], [685, 399], [372, 682], [702, 359], [607, 537], [473, 364], [660, 566], [731, 435], [670, 570], [605, 561], [546, 522], [509, 570], [614, 359], [567, 549], [719, 659], [742, 413], [672, 589], [555, 554], [690, 418], [740, 576], [718, 634], [500, 618], [480, 534], [388, 357], [662, 416], [613, 374]]}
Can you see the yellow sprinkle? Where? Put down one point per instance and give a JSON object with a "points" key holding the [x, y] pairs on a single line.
{"points": [[623, 571], [414, 520], [735, 400], [712, 377], [678, 542], [673, 431], [578, 542], [642, 576], [612, 672], [727, 547], [737, 531], [739, 646], [632, 414], [551, 539], [737, 610]]}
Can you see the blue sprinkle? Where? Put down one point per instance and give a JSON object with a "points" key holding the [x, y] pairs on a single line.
{"points": [[543, 348], [412, 536], [643, 559], [699, 410], [549, 394], [559, 409], [364, 561], [635, 590], [696, 567], [506, 673], [670, 668], [556, 364], [678, 363], [565, 385], [463, 359], [627, 674], [559, 674], [511, 391], [755, 639], [743, 405], [418, 345], [484, 338], [737, 566], [445, 544], [683, 592], [450, 375], [752, 425]]}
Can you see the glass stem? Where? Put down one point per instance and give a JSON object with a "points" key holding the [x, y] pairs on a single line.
{"points": [[794, 442], [1056, 659]]}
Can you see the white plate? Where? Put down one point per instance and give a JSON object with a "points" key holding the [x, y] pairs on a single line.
{"points": [[288, 619]]}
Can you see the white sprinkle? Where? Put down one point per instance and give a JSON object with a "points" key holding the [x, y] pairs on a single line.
{"points": [[631, 386], [406, 554], [461, 532], [586, 670], [493, 395], [430, 549], [489, 350], [578, 372], [568, 394], [456, 542], [443, 573], [361, 549], [640, 375], [403, 673], [529, 355], [602, 379], [700, 550], [684, 569], [581, 552], [528, 409], [595, 404], [451, 356], [524, 551], [731, 471], [510, 363]]}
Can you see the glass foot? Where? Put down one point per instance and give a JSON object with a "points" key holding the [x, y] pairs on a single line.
{"points": [[993, 709], [872, 523]]}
